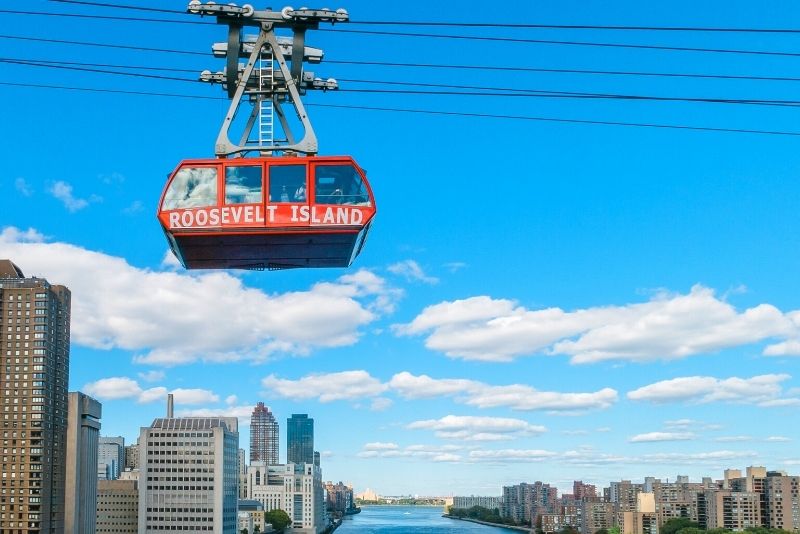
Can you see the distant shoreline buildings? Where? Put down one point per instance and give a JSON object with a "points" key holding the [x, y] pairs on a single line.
{"points": [[759, 498]]}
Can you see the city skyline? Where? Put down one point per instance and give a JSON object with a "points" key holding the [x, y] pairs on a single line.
{"points": [[536, 300]]}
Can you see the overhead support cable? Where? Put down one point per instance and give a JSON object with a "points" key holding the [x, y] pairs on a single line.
{"points": [[106, 4], [115, 91], [561, 120], [103, 17], [570, 43], [457, 24], [432, 112], [103, 45], [463, 90]]}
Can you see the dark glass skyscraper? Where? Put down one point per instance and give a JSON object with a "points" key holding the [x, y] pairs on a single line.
{"points": [[263, 436], [300, 439]]}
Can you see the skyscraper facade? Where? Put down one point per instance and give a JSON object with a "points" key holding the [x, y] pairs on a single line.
{"points": [[300, 439], [83, 432], [111, 457], [188, 478], [264, 436], [34, 372]]}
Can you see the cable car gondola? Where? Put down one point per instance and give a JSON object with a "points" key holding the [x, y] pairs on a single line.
{"points": [[286, 207], [267, 212]]}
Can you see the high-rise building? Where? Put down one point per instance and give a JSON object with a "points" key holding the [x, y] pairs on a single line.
{"points": [[241, 469], [264, 436], [110, 457], [782, 502], [340, 501], [584, 492], [34, 372], [117, 507], [731, 510], [300, 439], [83, 432], [132, 456], [188, 477], [294, 488]]}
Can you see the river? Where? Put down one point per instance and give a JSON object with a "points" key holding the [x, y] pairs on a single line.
{"points": [[411, 519]]}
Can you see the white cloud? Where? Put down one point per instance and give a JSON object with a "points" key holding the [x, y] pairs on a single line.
{"points": [[591, 458], [433, 453], [166, 315], [194, 396], [133, 208], [356, 385], [410, 270], [153, 376], [474, 428], [733, 439], [649, 437], [515, 396], [153, 395], [512, 455], [380, 404], [700, 457], [423, 386], [691, 424], [242, 413], [669, 326], [455, 266], [231, 400], [346, 385], [120, 387], [117, 387], [23, 187], [762, 390], [62, 191], [778, 439], [380, 446]]}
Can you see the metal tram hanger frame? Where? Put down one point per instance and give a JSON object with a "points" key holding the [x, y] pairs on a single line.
{"points": [[267, 91]]}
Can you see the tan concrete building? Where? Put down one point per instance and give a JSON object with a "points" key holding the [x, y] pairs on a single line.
{"points": [[730, 510], [34, 372], [117, 507], [83, 433], [782, 502], [596, 515]]}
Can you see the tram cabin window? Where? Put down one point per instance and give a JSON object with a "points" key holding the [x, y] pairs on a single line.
{"points": [[192, 187], [287, 183], [243, 185], [340, 184]]}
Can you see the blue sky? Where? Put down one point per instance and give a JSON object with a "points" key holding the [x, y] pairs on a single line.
{"points": [[536, 301]]}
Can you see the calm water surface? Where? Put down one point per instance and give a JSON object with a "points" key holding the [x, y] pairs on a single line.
{"points": [[411, 519]]}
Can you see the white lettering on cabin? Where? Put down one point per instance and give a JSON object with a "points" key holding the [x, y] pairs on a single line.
{"points": [[214, 217]]}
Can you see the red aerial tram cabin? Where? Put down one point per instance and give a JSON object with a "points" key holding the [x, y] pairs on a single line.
{"points": [[267, 212]]}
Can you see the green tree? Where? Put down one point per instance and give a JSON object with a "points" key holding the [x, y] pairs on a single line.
{"points": [[613, 530], [602, 531], [676, 524], [278, 519], [569, 530]]}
